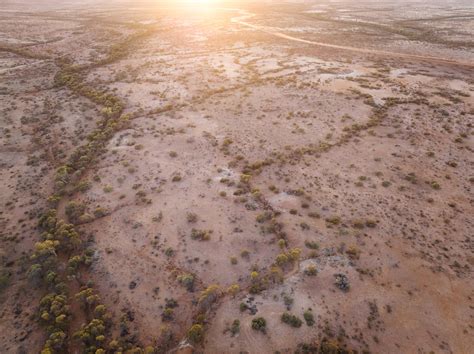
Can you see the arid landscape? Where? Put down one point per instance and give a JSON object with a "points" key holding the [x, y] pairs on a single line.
{"points": [[236, 176]]}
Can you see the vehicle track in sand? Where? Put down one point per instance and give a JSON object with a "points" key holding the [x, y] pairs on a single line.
{"points": [[244, 16]]}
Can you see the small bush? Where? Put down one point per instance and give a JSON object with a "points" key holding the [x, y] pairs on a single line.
{"points": [[233, 289], [187, 280], [191, 217], [201, 235], [281, 259], [235, 328], [108, 189], [259, 324], [309, 318], [334, 220], [311, 270], [312, 245], [245, 254]]}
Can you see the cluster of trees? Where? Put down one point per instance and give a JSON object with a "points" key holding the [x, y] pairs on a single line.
{"points": [[61, 237], [92, 335], [55, 315], [260, 282], [75, 211], [57, 236], [74, 262], [114, 119], [54, 309], [326, 346], [70, 76], [86, 154], [206, 299], [120, 50]]}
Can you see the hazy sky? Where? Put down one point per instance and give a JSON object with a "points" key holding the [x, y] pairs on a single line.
{"points": [[34, 5]]}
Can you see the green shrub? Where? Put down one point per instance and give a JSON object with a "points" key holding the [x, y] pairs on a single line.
{"points": [[291, 320], [259, 324], [309, 318]]}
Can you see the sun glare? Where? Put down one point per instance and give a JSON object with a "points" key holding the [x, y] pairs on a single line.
{"points": [[197, 3]]}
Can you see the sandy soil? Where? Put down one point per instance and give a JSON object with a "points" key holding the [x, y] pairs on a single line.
{"points": [[305, 158]]}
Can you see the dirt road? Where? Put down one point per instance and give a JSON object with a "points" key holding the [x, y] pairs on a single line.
{"points": [[244, 16]]}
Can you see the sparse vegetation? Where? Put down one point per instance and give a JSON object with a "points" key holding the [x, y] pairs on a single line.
{"points": [[122, 151]]}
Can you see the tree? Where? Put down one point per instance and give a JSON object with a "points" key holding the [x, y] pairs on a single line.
{"points": [[208, 296]]}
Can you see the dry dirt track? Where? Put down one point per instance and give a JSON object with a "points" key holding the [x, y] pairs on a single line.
{"points": [[244, 15]]}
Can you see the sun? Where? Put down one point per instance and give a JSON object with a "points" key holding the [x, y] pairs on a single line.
{"points": [[197, 3]]}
